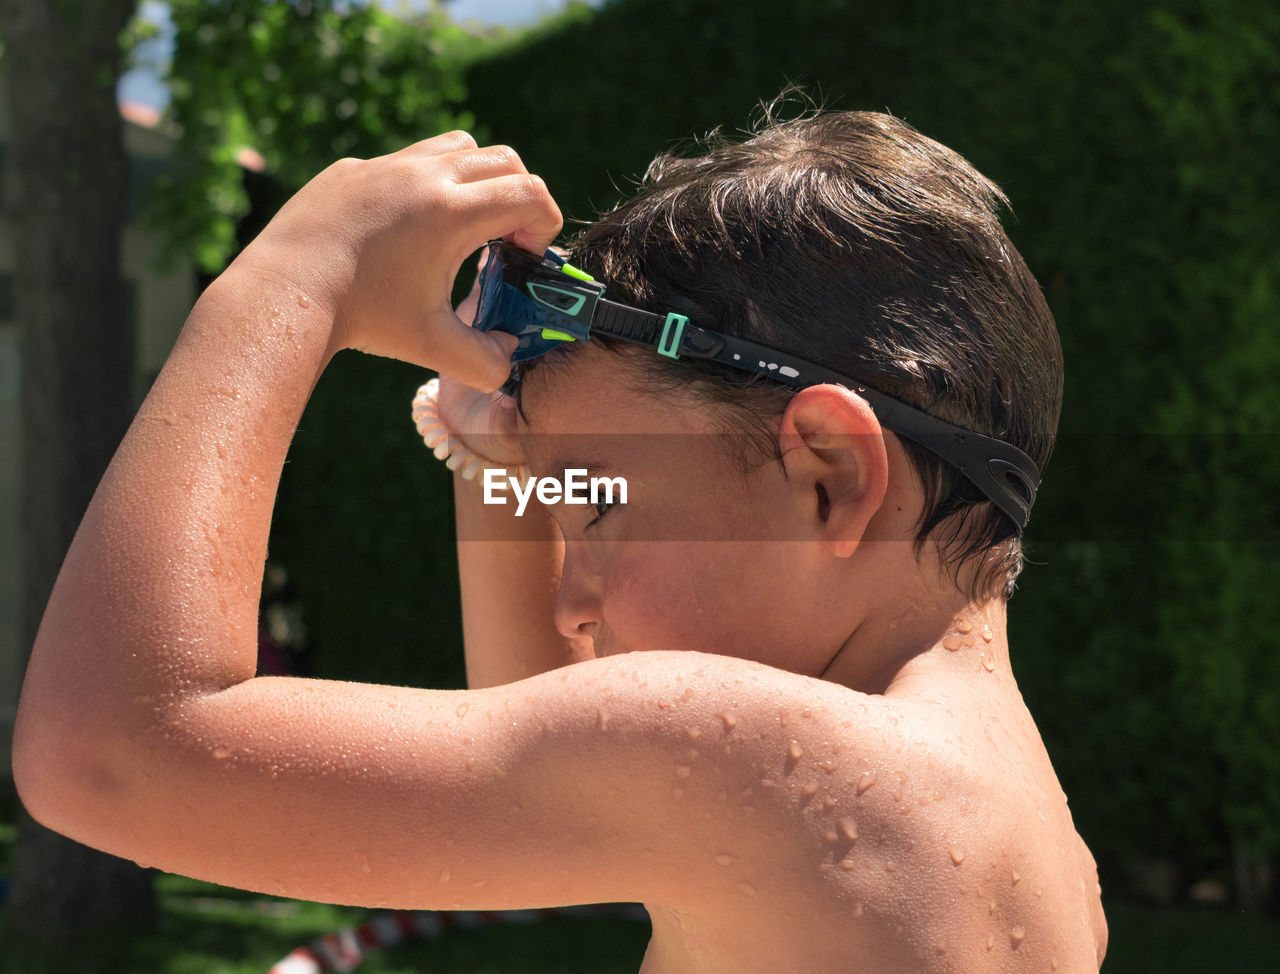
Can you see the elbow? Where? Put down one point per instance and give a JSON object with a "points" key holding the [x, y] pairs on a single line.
{"points": [[64, 779]]}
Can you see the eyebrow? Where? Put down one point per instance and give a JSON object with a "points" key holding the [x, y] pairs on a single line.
{"points": [[591, 466]]}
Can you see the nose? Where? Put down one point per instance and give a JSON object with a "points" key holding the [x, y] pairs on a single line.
{"points": [[579, 607]]}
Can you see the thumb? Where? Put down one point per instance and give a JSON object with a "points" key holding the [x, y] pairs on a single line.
{"points": [[480, 359]]}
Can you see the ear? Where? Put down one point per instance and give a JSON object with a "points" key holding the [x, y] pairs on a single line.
{"points": [[834, 454]]}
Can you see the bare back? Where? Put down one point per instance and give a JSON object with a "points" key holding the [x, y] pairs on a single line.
{"points": [[952, 848]]}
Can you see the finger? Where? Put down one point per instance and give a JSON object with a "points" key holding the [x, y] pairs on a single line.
{"points": [[502, 421], [486, 163], [457, 141], [516, 207]]}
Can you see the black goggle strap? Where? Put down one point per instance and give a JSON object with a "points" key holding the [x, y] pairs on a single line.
{"points": [[1003, 473]]}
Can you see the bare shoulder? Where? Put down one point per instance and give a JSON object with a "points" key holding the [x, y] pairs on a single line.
{"points": [[911, 832]]}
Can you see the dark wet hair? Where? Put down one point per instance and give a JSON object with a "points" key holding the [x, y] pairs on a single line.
{"points": [[851, 240]]}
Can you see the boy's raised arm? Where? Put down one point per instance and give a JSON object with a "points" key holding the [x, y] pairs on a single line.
{"points": [[142, 730]]}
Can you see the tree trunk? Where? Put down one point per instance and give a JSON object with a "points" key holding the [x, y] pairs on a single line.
{"points": [[67, 195]]}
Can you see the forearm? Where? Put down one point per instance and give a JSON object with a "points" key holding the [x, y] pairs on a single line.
{"points": [[510, 574]]}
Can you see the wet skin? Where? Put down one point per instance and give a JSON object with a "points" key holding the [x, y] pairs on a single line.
{"points": [[896, 809], [818, 760]]}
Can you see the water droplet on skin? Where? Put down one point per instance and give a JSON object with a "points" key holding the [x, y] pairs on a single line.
{"points": [[832, 835], [867, 781], [767, 783], [988, 664], [957, 855], [602, 716], [693, 732], [952, 642], [849, 829], [1016, 878], [810, 789], [1053, 963], [795, 751], [987, 634], [463, 708], [730, 720], [747, 888], [1015, 937], [847, 864], [222, 452], [964, 626], [858, 910], [725, 859], [991, 941], [222, 752], [890, 867], [304, 301], [682, 770]]}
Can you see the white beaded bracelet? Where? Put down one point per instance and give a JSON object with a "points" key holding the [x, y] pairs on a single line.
{"points": [[445, 443]]}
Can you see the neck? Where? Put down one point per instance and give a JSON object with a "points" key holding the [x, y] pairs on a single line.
{"points": [[922, 634]]}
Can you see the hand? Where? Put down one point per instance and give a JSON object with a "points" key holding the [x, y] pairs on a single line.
{"points": [[486, 423], [377, 243]]}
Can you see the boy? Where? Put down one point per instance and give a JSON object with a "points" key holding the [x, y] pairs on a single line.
{"points": [[820, 760]]}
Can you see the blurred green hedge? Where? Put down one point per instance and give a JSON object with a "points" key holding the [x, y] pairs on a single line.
{"points": [[1137, 142]]}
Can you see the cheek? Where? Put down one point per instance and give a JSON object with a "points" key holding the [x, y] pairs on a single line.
{"points": [[711, 598]]}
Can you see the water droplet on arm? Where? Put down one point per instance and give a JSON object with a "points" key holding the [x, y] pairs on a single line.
{"points": [[957, 855]]}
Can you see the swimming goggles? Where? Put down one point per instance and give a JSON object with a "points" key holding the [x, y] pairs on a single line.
{"points": [[547, 302]]}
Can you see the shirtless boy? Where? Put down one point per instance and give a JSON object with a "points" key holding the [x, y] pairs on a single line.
{"points": [[770, 696]]}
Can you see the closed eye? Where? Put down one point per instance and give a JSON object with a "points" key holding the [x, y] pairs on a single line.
{"points": [[602, 508]]}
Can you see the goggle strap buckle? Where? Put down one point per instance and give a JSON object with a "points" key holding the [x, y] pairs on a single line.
{"points": [[672, 329]]}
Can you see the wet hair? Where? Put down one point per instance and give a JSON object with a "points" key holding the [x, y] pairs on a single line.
{"points": [[851, 240]]}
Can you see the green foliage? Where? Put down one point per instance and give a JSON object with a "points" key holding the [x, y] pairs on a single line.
{"points": [[1215, 96], [303, 83], [364, 525]]}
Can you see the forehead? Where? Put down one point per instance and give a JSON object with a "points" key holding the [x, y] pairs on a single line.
{"points": [[596, 393]]}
